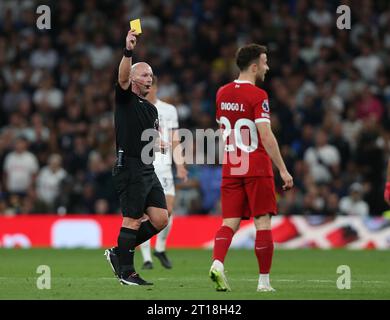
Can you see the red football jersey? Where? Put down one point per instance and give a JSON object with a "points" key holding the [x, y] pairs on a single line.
{"points": [[240, 105]]}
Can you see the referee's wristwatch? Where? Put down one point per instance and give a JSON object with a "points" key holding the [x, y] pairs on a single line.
{"points": [[127, 53]]}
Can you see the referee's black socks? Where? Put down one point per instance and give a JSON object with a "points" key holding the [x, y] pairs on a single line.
{"points": [[126, 246], [145, 232]]}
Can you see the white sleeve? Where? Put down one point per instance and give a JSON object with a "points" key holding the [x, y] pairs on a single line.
{"points": [[174, 119], [40, 177], [343, 206], [334, 156], [34, 164], [364, 209], [309, 156]]}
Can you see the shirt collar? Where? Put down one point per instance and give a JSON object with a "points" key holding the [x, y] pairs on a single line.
{"points": [[242, 81]]}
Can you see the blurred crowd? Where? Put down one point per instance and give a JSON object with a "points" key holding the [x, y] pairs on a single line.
{"points": [[329, 94]]}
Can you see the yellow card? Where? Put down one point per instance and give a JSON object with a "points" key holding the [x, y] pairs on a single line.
{"points": [[136, 25]]}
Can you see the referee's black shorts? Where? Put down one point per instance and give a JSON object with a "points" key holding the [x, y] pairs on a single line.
{"points": [[138, 188]]}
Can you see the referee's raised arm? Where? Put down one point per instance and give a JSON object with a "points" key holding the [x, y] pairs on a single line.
{"points": [[126, 62]]}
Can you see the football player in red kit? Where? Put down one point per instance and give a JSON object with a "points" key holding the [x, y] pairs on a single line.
{"points": [[250, 147]]}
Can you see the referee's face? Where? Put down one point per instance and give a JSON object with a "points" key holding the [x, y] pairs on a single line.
{"points": [[142, 77]]}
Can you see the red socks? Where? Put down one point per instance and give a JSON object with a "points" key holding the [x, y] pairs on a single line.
{"points": [[222, 241], [264, 249]]}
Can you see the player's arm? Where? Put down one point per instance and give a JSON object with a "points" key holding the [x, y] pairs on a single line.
{"points": [[387, 187], [126, 62], [272, 148], [160, 146], [178, 157]]}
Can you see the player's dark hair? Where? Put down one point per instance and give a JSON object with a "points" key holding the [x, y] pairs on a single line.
{"points": [[248, 54]]}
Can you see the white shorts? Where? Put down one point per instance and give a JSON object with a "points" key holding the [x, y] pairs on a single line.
{"points": [[165, 176]]}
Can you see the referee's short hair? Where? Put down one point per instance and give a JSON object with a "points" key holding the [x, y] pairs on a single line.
{"points": [[248, 54]]}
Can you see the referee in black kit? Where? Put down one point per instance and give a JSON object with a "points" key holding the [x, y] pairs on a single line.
{"points": [[140, 192]]}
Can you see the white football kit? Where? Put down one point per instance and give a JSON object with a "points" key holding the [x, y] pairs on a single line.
{"points": [[168, 119]]}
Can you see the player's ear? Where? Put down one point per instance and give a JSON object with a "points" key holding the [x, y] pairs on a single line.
{"points": [[254, 67]]}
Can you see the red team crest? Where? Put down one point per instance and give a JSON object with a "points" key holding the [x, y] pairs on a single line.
{"points": [[248, 184]]}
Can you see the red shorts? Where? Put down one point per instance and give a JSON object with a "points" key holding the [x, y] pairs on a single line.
{"points": [[248, 197]]}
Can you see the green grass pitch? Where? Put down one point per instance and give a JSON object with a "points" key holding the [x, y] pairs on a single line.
{"points": [[296, 274]]}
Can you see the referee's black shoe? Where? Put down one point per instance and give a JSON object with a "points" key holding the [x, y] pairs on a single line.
{"points": [[162, 256], [113, 260], [134, 280]]}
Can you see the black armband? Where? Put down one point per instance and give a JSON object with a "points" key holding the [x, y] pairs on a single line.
{"points": [[127, 53]]}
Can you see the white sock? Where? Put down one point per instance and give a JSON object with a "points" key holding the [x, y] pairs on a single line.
{"points": [[264, 279], [162, 236], [218, 265], [145, 250]]}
